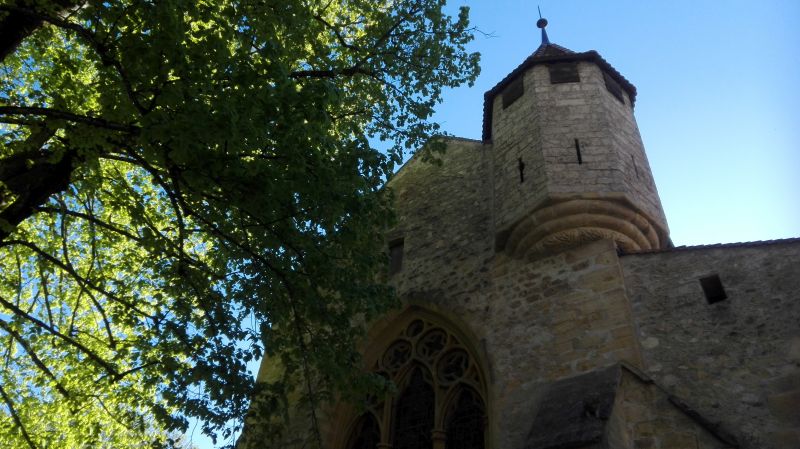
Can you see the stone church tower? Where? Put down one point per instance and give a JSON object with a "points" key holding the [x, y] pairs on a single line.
{"points": [[545, 306], [568, 164]]}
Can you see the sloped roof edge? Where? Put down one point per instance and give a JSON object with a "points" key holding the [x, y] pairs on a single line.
{"points": [[715, 429], [712, 246], [576, 409], [417, 154]]}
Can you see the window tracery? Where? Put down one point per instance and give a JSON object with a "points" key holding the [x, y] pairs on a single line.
{"points": [[439, 401], [414, 410], [366, 433], [465, 426]]}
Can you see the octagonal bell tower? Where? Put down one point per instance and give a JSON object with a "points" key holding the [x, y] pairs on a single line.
{"points": [[569, 165]]}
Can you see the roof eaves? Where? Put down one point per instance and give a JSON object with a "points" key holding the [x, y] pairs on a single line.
{"points": [[752, 244]]}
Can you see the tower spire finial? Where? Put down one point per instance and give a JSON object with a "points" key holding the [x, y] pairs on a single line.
{"points": [[542, 23]]}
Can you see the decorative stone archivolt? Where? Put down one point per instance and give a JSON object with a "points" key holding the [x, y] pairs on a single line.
{"points": [[439, 401], [569, 223]]}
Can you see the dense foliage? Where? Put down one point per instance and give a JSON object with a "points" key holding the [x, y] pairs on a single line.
{"points": [[186, 185]]}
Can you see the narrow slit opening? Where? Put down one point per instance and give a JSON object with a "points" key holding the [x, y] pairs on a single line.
{"points": [[395, 256]]}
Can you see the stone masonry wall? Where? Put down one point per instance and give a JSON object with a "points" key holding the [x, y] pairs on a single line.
{"points": [[560, 314], [736, 361], [541, 127], [578, 111], [443, 214], [644, 418], [626, 143], [517, 134], [612, 152], [552, 318], [537, 321]]}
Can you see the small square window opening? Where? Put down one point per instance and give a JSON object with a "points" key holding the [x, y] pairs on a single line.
{"points": [[712, 288]]}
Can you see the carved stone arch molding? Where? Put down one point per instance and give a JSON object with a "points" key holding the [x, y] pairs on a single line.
{"points": [[441, 397]]}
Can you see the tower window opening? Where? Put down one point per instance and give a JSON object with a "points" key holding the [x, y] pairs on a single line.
{"points": [[514, 90], [578, 151], [395, 256], [635, 167], [613, 86], [564, 72], [713, 289], [521, 168]]}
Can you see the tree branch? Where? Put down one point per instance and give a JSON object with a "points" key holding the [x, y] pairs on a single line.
{"points": [[15, 417], [33, 185], [102, 50], [14, 28], [72, 342], [80, 279], [20, 23], [36, 360], [336, 31], [358, 67], [69, 116], [333, 73], [90, 218]]}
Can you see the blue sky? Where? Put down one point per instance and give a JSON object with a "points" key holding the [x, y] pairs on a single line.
{"points": [[718, 101]]}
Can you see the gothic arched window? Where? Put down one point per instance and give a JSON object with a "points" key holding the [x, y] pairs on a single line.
{"points": [[466, 422], [439, 401], [366, 433], [413, 417]]}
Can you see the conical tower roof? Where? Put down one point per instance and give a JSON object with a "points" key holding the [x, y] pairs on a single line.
{"points": [[547, 48]]}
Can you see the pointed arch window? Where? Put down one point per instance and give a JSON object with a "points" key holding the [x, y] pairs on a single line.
{"points": [[439, 402], [366, 434], [413, 417], [466, 422]]}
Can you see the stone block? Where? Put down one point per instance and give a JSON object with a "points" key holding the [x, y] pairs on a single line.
{"points": [[620, 343], [678, 440], [794, 351], [785, 407], [786, 382], [785, 438]]}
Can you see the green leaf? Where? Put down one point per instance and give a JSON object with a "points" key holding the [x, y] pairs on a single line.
{"points": [[210, 196]]}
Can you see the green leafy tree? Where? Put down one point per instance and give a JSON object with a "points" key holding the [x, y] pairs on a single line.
{"points": [[172, 170]]}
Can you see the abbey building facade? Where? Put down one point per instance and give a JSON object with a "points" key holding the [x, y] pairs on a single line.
{"points": [[545, 307]]}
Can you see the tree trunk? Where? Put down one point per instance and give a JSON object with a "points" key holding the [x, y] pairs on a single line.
{"points": [[28, 180], [20, 21]]}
